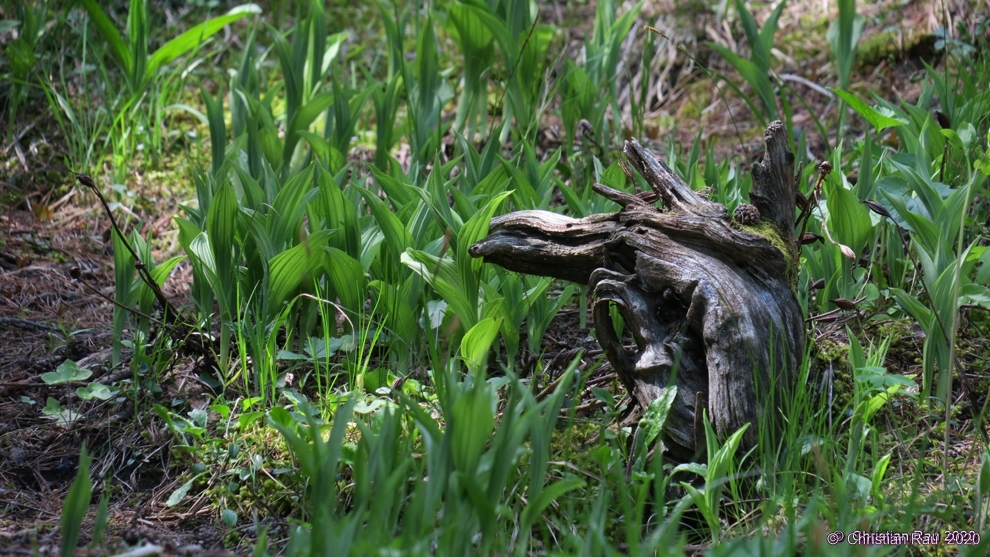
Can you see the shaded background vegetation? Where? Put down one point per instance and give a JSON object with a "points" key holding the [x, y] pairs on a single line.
{"points": [[303, 180]]}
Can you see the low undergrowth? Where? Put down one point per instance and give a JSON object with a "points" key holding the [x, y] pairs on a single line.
{"points": [[372, 389]]}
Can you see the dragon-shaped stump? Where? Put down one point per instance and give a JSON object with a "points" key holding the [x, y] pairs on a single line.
{"points": [[707, 297]]}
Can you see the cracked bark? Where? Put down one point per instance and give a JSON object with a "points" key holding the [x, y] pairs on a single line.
{"points": [[709, 303]]}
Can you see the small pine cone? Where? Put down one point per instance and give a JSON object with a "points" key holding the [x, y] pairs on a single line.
{"points": [[747, 214]]}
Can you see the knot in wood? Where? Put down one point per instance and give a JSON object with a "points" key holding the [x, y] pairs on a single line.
{"points": [[747, 214]]}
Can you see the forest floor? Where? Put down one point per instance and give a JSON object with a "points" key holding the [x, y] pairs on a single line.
{"points": [[57, 275]]}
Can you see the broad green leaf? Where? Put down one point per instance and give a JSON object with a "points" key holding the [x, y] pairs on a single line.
{"points": [[138, 35], [311, 110], [849, 220], [66, 372], [110, 34], [693, 467], [305, 116], [325, 152], [856, 355], [95, 390], [982, 164], [179, 494], [756, 77], [651, 424], [271, 145], [931, 193], [300, 263], [470, 424], [160, 273], [191, 39], [123, 269], [221, 225], [334, 43], [843, 35], [435, 310], [442, 275], [478, 340], [543, 313], [491, 26], [976, 294], [524, 194], [348, 279], [289, 207], [218, 128], [950, 217], [924, 230], [397, 238], [881, 118], [914, 308], [335, 211], [22, 58], [700, 500], [718, 464], [199, 251], [877, 401], [481, 504], [398, 189], [252, 196], [765, 39], [475, 229], [496, 306], [879, 471]]}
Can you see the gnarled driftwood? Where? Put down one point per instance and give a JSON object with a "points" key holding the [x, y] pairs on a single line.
{"points": [[709, 302]]}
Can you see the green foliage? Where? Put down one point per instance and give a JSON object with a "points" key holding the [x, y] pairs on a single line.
{"points": [[67, 372], [354, 279], [149, 91], [880, 118], [843, 35], [75, 506], [22, 54], [718, 472], [136, 63], [755, 70], [581, 86], [487, 473]]}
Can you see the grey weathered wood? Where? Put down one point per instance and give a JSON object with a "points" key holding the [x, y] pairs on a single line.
{"points": [[709, 303], [774, 191]]}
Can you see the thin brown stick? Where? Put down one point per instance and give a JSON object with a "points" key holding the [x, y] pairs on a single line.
{"points": [[142, 270], [118, 304]]}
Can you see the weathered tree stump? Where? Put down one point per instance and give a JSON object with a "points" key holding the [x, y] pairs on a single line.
{"points": [[708, 298]]}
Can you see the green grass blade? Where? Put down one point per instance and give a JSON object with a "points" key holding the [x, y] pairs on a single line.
{"points": [[218, 129], [552, 492], [75, 506], [110, 34], [138, 33]]}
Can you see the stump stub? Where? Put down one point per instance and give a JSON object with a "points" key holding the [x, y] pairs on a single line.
{"points": [[709, 302]]}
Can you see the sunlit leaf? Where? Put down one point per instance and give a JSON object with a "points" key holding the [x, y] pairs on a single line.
{"points": [[478, 340], [192, 38], [881, 118]]}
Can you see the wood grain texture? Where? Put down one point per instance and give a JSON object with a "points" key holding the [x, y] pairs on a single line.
{"points": [[709, 304]]}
